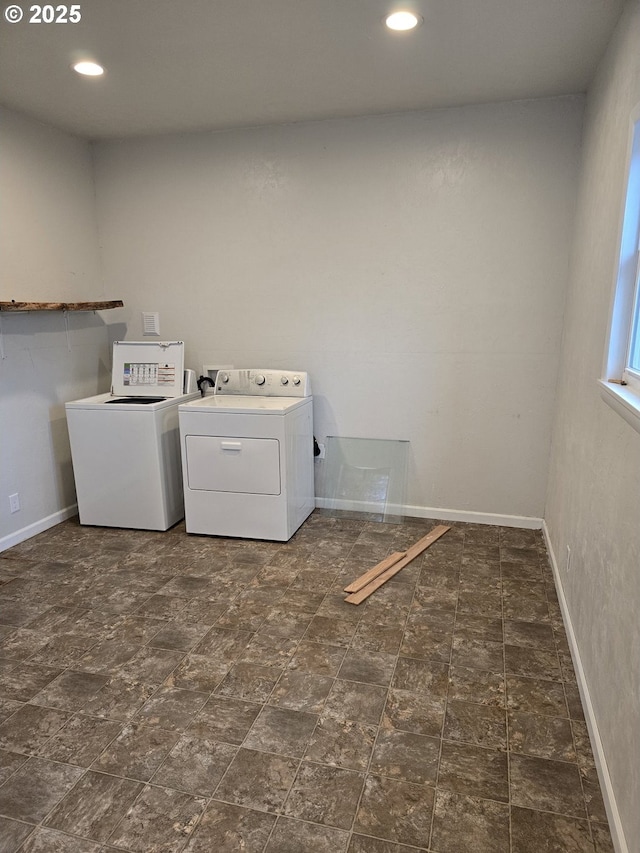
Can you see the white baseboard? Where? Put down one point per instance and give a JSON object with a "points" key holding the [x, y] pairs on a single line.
{"points": [[37, 527], [608, 794], [436, 513]]}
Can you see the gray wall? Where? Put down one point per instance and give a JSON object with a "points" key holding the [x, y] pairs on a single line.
{"points": [[594, 483], [49, 251], [414, 264]]}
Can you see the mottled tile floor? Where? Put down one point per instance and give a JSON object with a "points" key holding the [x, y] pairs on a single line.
{"points": [[168, 692]]}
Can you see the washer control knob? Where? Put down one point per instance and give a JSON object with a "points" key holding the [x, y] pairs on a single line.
{"points": [[260, 380], [296, 380], [284, 380], [224, 377]]}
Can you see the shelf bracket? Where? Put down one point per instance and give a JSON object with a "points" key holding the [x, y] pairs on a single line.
{"points": [[66, 328]]}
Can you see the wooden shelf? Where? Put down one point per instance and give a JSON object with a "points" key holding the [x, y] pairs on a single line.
{"points": [[61, 306]]}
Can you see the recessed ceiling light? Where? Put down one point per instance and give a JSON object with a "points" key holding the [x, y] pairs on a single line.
{"points": [[402, 21], [89, 69]]}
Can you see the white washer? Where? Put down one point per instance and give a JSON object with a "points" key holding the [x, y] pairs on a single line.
{"points": [[247, 455], [125, 445]]}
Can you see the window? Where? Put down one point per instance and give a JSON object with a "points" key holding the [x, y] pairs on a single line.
{"points": [[621, 381], [633, 361]]}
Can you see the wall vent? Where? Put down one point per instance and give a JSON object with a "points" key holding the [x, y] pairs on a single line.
{"points": [[150, 323]]}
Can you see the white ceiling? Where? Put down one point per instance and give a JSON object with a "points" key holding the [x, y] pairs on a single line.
{"points": [[182, 65]]}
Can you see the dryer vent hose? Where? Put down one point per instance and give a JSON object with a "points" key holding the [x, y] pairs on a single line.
{"points": [[202, 383]]}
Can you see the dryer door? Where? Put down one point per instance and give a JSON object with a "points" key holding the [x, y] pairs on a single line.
{"points": [[223, 464]]}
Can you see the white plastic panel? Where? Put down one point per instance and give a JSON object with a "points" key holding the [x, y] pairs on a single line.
{"points": [[366, 475], [223, 464]]}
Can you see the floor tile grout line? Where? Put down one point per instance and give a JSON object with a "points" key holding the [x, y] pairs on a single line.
{"points": [[446, 703], [280, 811], [506, 712], [208, 800], [90, 768], [367, 772], [571, 723], [264, 704], [42, 823], [350, 831], [335, 678], [144, 783]]}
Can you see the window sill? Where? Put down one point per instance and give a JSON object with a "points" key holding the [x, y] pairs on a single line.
{"points": [[622, 400]]}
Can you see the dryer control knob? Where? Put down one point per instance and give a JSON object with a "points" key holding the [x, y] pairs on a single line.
{"points": [[284, 380], [224, 377], [260, 380], [296, 380]]}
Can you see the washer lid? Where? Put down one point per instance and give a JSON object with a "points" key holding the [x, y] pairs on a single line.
{"points": [[237, 404], [147, 368]]}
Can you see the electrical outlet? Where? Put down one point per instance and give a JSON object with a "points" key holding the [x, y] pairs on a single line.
{"points": [[14, 502], [211, 370], [568, 559]]}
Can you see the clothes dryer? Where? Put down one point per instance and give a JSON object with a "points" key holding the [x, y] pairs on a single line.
{"points": [[247, 455]]}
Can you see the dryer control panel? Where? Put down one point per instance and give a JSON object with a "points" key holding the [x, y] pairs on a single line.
{"points": [[264, 382]]}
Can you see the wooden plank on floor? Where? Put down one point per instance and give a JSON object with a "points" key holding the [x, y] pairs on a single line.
{"points": [[411, 553], [378, 569], [422, 544]]}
